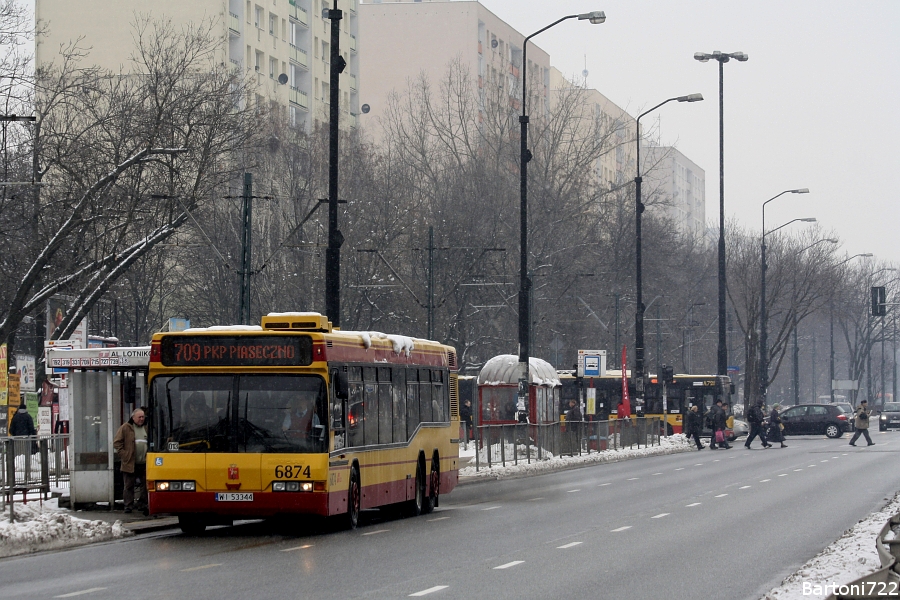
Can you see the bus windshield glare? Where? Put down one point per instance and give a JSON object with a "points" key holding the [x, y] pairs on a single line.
{"points": [[272, 414]]}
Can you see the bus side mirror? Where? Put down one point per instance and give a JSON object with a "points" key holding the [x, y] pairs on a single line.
{"points": [[341, 386]]}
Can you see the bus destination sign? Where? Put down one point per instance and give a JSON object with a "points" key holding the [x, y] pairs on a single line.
{"points": [[237, 351]]}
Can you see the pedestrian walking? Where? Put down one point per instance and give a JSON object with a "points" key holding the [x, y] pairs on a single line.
{"points": [[465, 415], [862, 423], [130, 444], [776, 427], [720, 419], [755, 417], [694, 426], [573, 425]]}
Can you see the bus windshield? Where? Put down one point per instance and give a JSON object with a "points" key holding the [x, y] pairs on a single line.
{"points": [[272, 414]]}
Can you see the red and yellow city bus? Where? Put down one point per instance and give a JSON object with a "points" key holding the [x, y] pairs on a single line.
{"points": [[297, 418]]}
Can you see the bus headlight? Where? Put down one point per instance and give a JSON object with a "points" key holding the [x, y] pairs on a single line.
{"points": [[277, 486], [176, 486], [298, 486]]}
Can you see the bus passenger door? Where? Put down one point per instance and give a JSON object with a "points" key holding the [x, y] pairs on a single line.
{"points": [[338, 395]]}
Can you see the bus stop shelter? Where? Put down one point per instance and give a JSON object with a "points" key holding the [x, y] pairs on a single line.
{"points": [[103, 385]]}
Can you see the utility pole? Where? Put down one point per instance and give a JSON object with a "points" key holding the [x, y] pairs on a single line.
{"points": [[430, 282], [335, 238], [246, 245]]}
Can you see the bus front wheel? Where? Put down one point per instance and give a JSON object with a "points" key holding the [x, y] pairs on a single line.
{"points": [[351, 520]]}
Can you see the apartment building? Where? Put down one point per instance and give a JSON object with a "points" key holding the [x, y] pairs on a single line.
{"points": [[283, 44], [680, 185], [406, 39]]}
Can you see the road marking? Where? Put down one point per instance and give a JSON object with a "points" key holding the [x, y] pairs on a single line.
{"points": [[602, 484], [490, 508], [844, 454], [568, 545], [837, 456], [303, 547], [436, 588], [201, 567], [510, 564], [438, 519], [783, 475], [694, 504], [657, 473], [736, 456], [764, 480], [621, 529], [680, 469], [376, 532], [743, 487], [810, 466], [795, 470], [90, 591], [721, 495], [660, 516], [699, 465], [572, 491], [633, 478], [533, 499], [824, 460]]}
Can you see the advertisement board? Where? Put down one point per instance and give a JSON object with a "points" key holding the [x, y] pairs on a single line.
{"points": [[27, 375]]}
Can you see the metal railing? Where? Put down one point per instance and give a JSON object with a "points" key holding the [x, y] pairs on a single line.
{"points": [[884, 580], [504, 445], [33, 464]]}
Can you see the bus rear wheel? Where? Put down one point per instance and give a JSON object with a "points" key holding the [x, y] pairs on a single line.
{"points": [[192, 524], [435, 484], [416, 506]]}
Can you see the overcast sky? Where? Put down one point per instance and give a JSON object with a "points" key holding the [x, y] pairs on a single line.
{"points": [[813, 107]]}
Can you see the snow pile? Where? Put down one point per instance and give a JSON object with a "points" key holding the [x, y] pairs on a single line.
{"points": [[668, 445], [37, 528], [849, 558], [401, 344]]}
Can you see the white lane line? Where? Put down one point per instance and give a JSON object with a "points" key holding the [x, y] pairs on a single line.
{"points": [[680, 469], [570, 545], [90, 591], [201, 567], [824, 460], [660, 516], [736, 456], [783, 475], [717, 460], [843, 454], [810, 466], [743, 487], [699, 465], [620, 529], [657, 473], [602, 484], [632, 478], [303, 547], [572, 491], [376, 532], [436, 588], [533, 499], [795, 470], [764, 480], [837, 456], [490, 508], [510, 564], [694, 504], [438, 519], [721, 495]]}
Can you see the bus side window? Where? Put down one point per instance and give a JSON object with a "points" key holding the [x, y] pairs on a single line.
{"points": [[337, 405], [385, 406], [412, 402], [426, 412], [399, 404]]}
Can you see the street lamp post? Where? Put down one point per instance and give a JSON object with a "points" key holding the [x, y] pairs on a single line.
{"points": [[638, 210], [335, 238], [831, 324], [763, 335], [722, 58], [795, 371], [595, 17]]}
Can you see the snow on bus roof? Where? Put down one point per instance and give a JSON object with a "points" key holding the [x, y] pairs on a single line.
{"points": [[504, 370], [401, 343], [224, 328]]}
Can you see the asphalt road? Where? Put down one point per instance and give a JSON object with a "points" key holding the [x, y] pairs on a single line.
{"points": [[724, 524]]}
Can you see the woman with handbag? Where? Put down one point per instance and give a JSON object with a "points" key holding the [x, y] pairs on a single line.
{"points": [[776, 427]]}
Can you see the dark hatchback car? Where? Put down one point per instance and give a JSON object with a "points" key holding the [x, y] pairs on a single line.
{"points": [[889, 417], [815, 419]]}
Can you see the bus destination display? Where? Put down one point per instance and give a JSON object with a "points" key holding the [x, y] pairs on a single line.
{"points": [[238, 351]]}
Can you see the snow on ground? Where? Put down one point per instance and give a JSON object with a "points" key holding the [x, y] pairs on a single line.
{"points": [[668, 445], [47, 527], [847, 559]]}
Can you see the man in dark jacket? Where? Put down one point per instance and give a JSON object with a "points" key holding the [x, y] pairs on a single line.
{"points": [[755, 417], [694, 425], [465, 415], [22, 423]]}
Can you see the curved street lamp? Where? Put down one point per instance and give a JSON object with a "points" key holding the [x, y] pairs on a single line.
{"points": [[763, 336], [595, 17], [638, 210]]}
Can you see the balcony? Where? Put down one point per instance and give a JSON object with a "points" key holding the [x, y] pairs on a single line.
{"points": [[299, 98], [235, 64], [299, 56], [353, 120], [299, 14], [352, 43], [352, 79], [353, 4], [234, 23]]}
